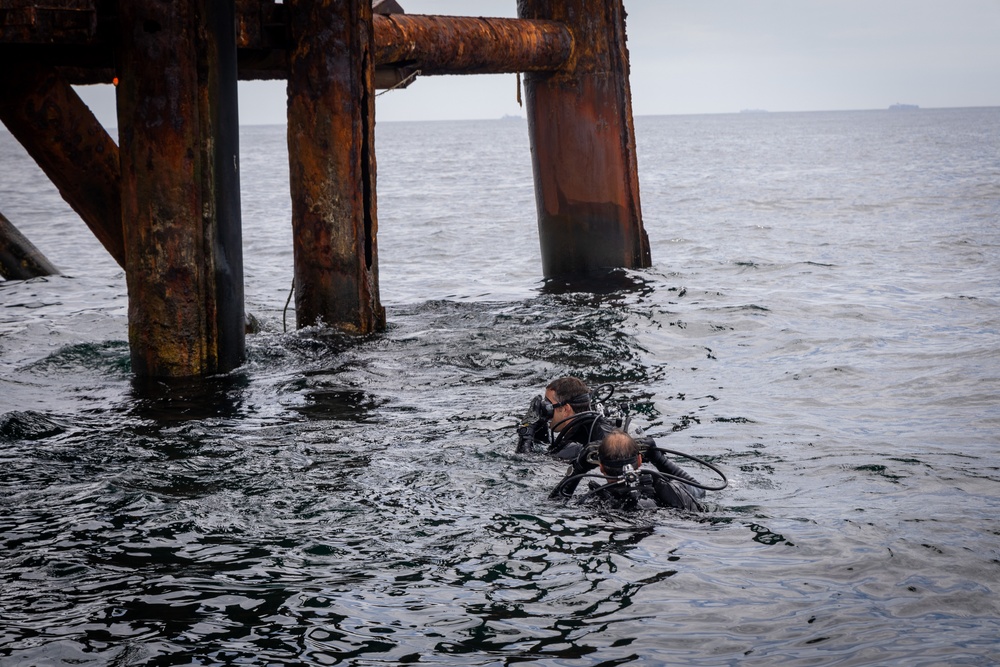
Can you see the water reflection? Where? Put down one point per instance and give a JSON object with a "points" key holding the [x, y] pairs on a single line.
{"points": [[609, 281], [167, 400], [325, 394]]}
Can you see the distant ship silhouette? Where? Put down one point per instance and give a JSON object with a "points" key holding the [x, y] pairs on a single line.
{"points": [[902, 107]]}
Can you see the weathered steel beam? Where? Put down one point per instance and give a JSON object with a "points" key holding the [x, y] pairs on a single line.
{"points": [[72, 39], [433, 44], [175, 153], [331, 135], [71, 146], [583, 145], [461, 45], [64, 21], [19, 258]]}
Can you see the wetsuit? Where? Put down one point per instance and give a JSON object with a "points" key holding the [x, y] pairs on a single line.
{"points": [[580, 430], [651, 491]]}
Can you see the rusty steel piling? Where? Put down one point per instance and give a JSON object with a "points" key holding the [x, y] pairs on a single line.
{"points": [[179, 166], [331, 152], [583, 145]]}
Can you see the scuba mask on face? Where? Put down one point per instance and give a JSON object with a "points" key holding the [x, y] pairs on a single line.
{"points": [[541, 408]]}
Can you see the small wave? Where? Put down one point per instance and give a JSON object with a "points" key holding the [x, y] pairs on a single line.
{"points": [[28, 425]]}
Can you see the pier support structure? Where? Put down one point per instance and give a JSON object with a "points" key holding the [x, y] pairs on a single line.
{"points": [[165, 201], [331, 151], [583, 145], [180, 186]]}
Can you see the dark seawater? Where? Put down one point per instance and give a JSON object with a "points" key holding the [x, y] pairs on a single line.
{"points": [[821, 321]]}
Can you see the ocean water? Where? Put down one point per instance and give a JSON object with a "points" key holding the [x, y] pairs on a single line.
{"points": [[821, 321]]}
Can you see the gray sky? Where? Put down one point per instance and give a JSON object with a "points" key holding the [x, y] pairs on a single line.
{"points": [[720, 56]]}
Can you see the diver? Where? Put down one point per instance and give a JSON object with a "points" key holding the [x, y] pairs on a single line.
{"points": [[578, 427], [564, 420], [628, 485]]}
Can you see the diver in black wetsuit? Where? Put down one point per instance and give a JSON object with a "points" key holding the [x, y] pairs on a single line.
{"points": [[620, 457], [566, 410], [567, 421]]}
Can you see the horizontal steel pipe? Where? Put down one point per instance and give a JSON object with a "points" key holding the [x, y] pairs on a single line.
{"points": [[433, 44], [465, 45]]}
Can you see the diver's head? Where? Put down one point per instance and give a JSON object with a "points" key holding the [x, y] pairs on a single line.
{"points": [[567, 396], [617, 450]]}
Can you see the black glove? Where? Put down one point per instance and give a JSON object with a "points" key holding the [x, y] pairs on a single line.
{"points": [[540, 430], [581, 465], [528, 434], [525, 439]]}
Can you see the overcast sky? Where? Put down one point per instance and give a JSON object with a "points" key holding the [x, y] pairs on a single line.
{"points": [[721, 56]]}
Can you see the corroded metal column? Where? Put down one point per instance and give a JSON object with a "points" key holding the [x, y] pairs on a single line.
{"points": [[583, 145], [179, 159], [331, 128], [64, 137]]}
